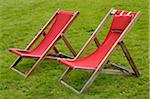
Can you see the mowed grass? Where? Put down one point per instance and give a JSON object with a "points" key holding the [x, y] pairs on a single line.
{"points": [[20, 20]]}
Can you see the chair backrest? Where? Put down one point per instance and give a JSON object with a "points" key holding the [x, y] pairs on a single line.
{"points": [[119, 23], [60, 21]]}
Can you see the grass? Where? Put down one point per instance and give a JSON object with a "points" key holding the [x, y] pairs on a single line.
{"points": [[20, 20]]}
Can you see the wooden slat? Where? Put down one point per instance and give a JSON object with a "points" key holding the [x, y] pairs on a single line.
{"points": [[18, 71]]}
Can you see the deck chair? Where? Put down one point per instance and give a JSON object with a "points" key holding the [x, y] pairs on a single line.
{"points": [[56, 26], [122, 22]]}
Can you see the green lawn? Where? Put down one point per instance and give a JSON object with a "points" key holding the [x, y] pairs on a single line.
{"points": [[20, 20]]}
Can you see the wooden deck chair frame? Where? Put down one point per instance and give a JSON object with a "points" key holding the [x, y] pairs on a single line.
{"points": [[46, 54], [105, 61]]}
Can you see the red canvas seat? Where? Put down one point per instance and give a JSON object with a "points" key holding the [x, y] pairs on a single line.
{"points": [[122, 21], [23, 53], [93, 60], [52, 31], [61, 20]]}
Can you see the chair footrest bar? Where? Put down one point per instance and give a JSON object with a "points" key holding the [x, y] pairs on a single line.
{"points": [[14, 69], [67, 85], [108, 71], [122, 68], [113, 72]]}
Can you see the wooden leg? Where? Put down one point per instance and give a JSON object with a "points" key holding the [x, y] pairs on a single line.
{"points": [[35, 66], [64, 83], [16, 62], [69, 45], [93, 76], [65, 73], [87, 84], [129, 58], [90, 81], [14, 65]]}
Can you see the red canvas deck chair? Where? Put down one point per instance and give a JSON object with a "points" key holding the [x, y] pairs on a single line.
{"points": [[122, 22], [58, 24]]}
